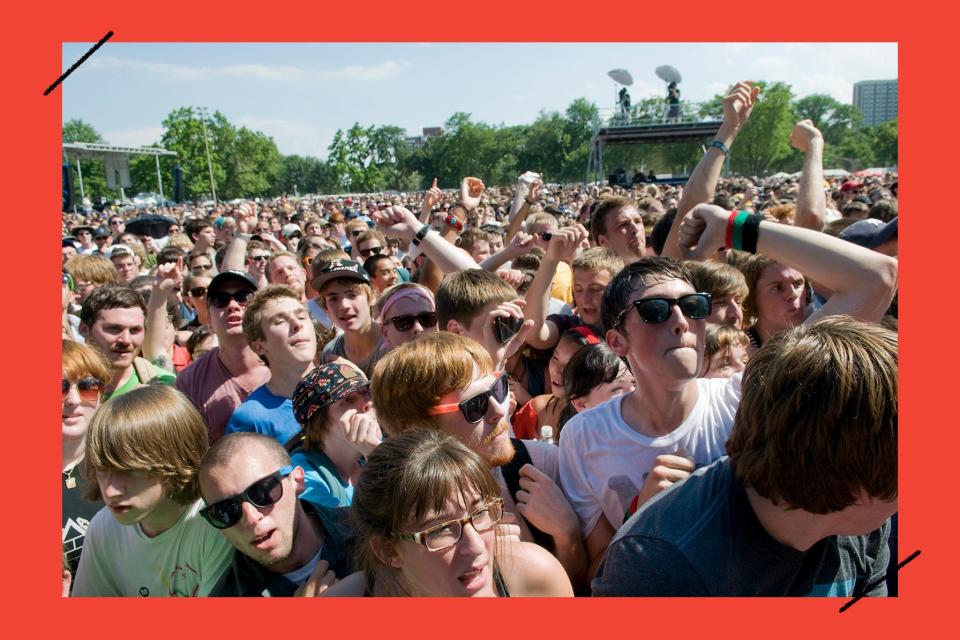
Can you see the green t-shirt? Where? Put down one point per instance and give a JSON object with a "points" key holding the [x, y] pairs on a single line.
{"points": [[160, 375]]}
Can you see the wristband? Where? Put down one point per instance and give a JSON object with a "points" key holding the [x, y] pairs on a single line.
{"points": [[453, 221], [728, 237], [751, 229], [736, 235], [424, 230], [719, 145], [243, 236], [465, 210]]}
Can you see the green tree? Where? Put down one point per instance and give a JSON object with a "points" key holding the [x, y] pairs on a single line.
{"points": [[885, 139], [94, 176], [183, 133], [765, 139]]}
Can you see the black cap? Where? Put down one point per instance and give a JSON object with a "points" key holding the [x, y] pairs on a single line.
{"points": [[230, 275], [339, 268], [870, 233]]}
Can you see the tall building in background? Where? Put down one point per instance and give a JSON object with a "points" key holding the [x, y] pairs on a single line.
{"points": [[877, 99]]}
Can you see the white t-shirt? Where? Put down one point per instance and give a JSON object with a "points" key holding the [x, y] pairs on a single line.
{"points": [[119, 560], [604, 461]]}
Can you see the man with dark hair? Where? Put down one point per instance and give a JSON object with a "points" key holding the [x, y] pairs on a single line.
{"points": [[766, 520], [219, 381], [284, 546], [112, 321], [616, 223], [201, 234], [641, 442]]}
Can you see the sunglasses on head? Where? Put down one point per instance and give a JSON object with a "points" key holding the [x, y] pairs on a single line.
{"points": [[198, 292], [221, 299], [695, 306], [89, 389], [263, 493], [426, 319], [475, 407]]}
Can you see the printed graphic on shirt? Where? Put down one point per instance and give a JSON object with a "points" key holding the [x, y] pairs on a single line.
{"points": [[73, 534]]}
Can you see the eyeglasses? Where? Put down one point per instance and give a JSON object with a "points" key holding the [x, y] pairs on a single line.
{"points": [[695, 306], [475, 407], [199, 292], [202, 267], [263, 493], [445, 535], [259, 258], [369, 251], [113, 223], [426, 319], [221, 299], [89, 389], [356, 232]]}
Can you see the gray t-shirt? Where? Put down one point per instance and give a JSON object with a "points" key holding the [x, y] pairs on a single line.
{"points": [[701, 538]]}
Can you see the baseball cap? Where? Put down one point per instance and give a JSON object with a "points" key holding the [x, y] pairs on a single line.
{"points": [[230, 275], [870, 233], [118, 250], [290, 229], [850, 185], [101, 232], [325, 385], [83, 227], [69, 241], [339, 268]]}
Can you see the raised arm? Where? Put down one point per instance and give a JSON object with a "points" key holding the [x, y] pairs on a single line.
{"points": [[737, 107], [518, 246], [158, 328], [236, 254], [399, 222], [811, 199], [863, 281], [563, 245]]}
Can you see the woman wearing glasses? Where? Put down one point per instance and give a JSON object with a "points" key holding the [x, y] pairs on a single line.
{"points": [[406, 311], [427, 508], [84, 374]]}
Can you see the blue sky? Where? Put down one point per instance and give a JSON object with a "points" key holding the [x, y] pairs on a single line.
{"points": [[300, 94]]}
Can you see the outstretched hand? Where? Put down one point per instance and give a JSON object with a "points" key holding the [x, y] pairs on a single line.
{"points": [[470, 191], [396, 222], [738, 104]]}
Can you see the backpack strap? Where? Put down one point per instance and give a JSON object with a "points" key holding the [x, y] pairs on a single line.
{"points": [[511, 476], [145, 372]]}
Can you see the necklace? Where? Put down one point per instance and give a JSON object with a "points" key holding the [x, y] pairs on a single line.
{"points": [[70, 481]]}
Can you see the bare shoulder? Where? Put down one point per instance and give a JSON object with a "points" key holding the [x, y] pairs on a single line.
{"points": [[350, 587], [529, 570]]}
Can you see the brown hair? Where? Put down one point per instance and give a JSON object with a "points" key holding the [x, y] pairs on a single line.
{"points": [[598, 219], [406, 479], [403, 387], [462, 295], [817, 421], [153, 429], [228, 448], [718, 279], [598, 259], [252, 329], [110, 296]]}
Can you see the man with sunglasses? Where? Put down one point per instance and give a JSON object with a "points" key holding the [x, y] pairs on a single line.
{"points": [[285, 546], [644, 441], [223, 378]]}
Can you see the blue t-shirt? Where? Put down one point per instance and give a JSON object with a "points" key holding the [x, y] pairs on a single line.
{"points": [[266, 413], [324, 486]]}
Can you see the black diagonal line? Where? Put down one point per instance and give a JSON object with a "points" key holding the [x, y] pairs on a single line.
{"points": [[873, 585], [79, 62]]}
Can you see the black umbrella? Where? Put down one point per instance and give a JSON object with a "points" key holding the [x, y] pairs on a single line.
{"points": [[153, 225]]}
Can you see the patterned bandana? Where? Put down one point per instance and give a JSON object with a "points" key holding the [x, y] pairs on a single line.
{"points": [[325, 385]]}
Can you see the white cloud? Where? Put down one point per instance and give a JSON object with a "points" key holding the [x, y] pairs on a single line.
{"points": [[283, 73], [133, 137]]}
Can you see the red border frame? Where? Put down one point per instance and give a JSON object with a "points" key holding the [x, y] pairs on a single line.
{"points": [[32, 160]]}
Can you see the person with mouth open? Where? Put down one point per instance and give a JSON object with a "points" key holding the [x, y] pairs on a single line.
{"points": [[142, 454], [464, 395], [428, 509], [278, 328], [284, 545]]}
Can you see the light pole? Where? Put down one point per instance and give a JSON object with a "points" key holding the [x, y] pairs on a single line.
{"points": [[203, 121]]}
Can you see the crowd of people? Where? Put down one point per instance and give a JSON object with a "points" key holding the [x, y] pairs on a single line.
{"points": [[542, 390]]}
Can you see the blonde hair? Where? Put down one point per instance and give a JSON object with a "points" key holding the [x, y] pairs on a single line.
{"points": [[153, 429], [414, 376], [96, 270]]}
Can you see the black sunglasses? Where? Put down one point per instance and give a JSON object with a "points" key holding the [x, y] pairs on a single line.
{"points": [[199, 292], [546, 235], [356, 232], [475, 407], [426, 319], [366, 253], [221, 299], [695, 306], [262, 493]]}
